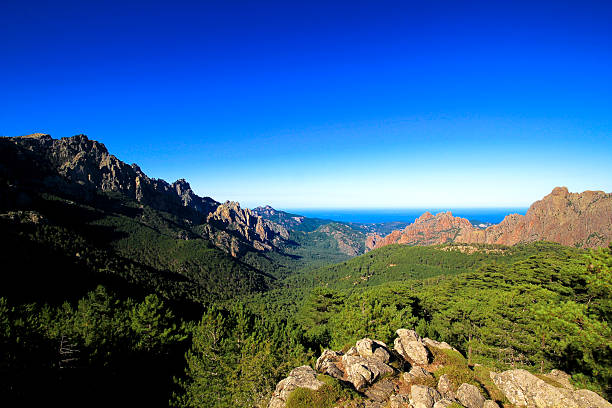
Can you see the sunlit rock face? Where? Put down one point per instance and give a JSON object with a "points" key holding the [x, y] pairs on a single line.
{"points": [[573, 219]]}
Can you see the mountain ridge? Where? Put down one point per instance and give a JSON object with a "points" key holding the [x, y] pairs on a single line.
{"points": [[76, 163], [573, 219]]}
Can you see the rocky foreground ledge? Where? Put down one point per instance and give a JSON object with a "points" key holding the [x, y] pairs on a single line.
{"points": [[403, 377]]}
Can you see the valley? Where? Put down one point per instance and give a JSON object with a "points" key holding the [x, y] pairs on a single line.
{"points": [[115, 280]]}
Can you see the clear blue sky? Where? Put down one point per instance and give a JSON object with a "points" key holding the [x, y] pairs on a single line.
{"points": [[324, 104]]}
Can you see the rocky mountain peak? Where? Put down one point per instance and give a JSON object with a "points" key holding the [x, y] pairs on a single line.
{"points": [[428, 229], [424, 217], [559, 191], [265, 210], [573, 219], [181, 186], [41, 136], [240, 222], [78, 163]]}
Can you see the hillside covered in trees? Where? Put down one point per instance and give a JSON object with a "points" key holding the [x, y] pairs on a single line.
{"points": [[135, 291]]}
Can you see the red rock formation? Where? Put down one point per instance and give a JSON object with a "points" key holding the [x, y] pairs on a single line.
{"points": [[573, 219], [428, 230], [372, 240]]}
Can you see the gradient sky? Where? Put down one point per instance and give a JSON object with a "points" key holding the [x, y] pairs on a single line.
{"points": [[324, 104]]}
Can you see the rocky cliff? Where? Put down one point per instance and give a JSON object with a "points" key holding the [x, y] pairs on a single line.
{"points": [[81, 167], [88, 163], [229, 221], [428, 229], [287, 220], [573, 219], [423, 373]]}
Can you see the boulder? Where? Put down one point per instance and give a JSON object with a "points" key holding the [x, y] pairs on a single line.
{"points": [[373, 348], [524, 389], [362, 372], [408, 335], [327, 363], [362, 365], [382, 354], [365, 347], [380, 391], [399, 401], [410, 346], [301, 377], [590, 399], [416, 372], [422, 396], [470, 396], [445, 387], [490, 404], [561, 377], [438, 344]]}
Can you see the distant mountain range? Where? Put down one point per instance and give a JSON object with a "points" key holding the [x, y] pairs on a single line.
{"points": [[72, 196], [37, 171], [103, 261], [572, 219]]}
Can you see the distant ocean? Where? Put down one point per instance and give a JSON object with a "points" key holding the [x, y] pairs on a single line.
{"points": [[367, 216]]}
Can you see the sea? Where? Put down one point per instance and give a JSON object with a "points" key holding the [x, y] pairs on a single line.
{"points": [[408, 215]]}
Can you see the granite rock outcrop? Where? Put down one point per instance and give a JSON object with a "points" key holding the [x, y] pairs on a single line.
{"points": [[376, 372]]}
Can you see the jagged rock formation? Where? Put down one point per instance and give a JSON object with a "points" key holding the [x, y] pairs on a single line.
{"points": [[573, 219], [229, 218], [427, 230], [287, 220], [301, 377], [372, 240], [524, 389], [80, 166], [88, 163], [375, 371], [361, 365], [581, 219]]}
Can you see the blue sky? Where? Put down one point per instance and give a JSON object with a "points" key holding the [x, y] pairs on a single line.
{"points": [[324, 104]]}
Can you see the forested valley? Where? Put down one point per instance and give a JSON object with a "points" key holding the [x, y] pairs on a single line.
{"points": [[114, 298]]}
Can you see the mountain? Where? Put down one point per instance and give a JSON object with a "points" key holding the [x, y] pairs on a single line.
{"points": [[327, 239], [348, 238], [289, 221], [80, 166], [93, 219], [575, 219], [426, 230]]}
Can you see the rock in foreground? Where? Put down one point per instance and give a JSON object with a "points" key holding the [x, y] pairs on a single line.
{"points": [[367, 368]]}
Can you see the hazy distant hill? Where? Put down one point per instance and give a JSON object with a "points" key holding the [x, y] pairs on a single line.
{"points": [[349, 238]]}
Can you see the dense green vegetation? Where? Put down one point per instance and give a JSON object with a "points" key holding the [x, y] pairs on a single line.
{"points": [[104, 293], [548, 309], [400, 262], [68, 353], [544, 306], [320, 247]]}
